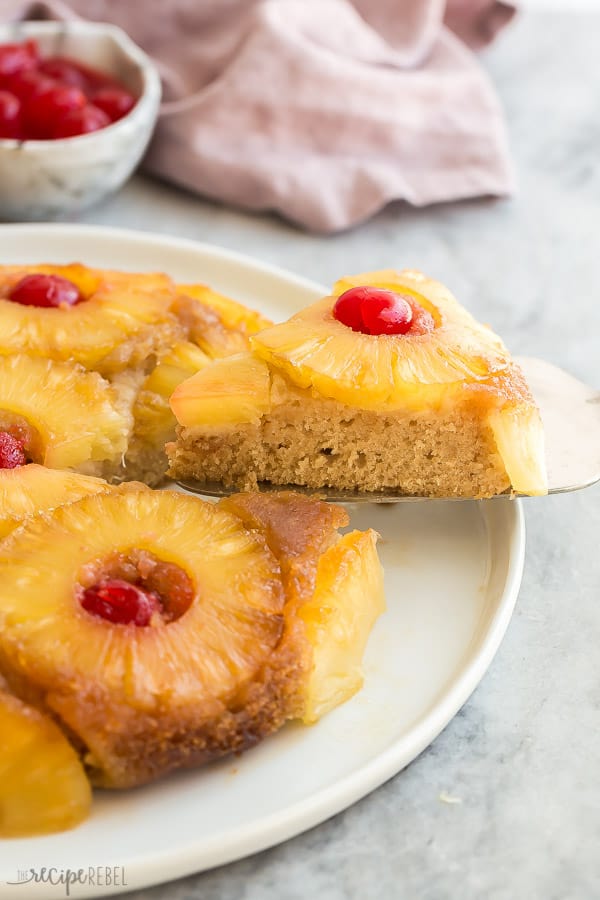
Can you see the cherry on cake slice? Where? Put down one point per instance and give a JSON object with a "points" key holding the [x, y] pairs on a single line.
{"points": [[389, 383]]}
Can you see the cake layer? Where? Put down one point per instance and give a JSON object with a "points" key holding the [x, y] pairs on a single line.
{"points": [[316, 442]]}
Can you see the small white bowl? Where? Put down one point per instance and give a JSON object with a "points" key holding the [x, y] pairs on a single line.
{"points": [[49, 179]]}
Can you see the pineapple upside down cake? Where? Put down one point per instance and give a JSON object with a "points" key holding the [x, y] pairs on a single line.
{"points": [[143, 631], [388, 383], [90, 357]]}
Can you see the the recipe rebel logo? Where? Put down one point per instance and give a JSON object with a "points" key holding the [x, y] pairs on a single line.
{"points": [[64, 880]]}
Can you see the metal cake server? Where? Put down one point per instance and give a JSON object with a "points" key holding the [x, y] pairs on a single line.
{"points": [[571, 416]]}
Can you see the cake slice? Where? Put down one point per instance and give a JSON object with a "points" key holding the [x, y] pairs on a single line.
{"points": [[161, 631], [387, 384]]}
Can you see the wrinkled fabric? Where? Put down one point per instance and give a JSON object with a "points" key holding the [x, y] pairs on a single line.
{"points": [[322, 110]]}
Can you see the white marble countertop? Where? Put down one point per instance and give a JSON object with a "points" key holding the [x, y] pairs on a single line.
{"points": [[524, 752]]}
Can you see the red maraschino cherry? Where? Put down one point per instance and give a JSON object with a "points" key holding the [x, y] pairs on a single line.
{"points": [[50, 105], [10, 116], [372, 310], [25, 84], [64, 71], [17, 58], [121, 602], [115, 102], [80, 121], [49, 291], [12, 454], [390, 314], [55, 97]]}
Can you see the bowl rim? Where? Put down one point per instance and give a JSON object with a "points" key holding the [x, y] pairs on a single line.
{"points": [[151, 84]]}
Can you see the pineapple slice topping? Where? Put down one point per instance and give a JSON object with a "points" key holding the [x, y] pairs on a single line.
{"points": [[182, 361], [264, 614], [154, 420], [230, 391], [519, 436], [218, 325], [43, 787], [347, 600], [384, 371], [31, 489], [204, 652], [73, 412], [336, 588], [106, 330]]}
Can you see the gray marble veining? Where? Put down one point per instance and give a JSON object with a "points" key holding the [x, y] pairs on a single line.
{"points": [[523, 755]]}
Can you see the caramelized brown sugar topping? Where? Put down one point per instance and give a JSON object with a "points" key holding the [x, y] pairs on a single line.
{"points": [[218, 325], [506, 388], [298, 530], [293, 524]]}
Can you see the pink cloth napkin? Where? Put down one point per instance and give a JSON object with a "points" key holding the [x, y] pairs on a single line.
{"points": [[323, 110]]}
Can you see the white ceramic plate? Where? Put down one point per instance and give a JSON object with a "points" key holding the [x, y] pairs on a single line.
{"points": [[452, 576]]}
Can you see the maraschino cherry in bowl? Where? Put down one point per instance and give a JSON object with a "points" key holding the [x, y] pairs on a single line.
{"points": [[84, 154]]}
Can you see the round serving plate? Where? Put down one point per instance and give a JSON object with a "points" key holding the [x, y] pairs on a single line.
{"points": [[452, 570]]}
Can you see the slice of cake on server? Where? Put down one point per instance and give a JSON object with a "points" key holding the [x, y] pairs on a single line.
{"points": [[389, 383]]}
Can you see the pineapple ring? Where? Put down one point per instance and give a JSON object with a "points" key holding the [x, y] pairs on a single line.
{"points": [[73, 412], [383, 372], [280, 615], [31, 489], [125, 691], [123, 319]]}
